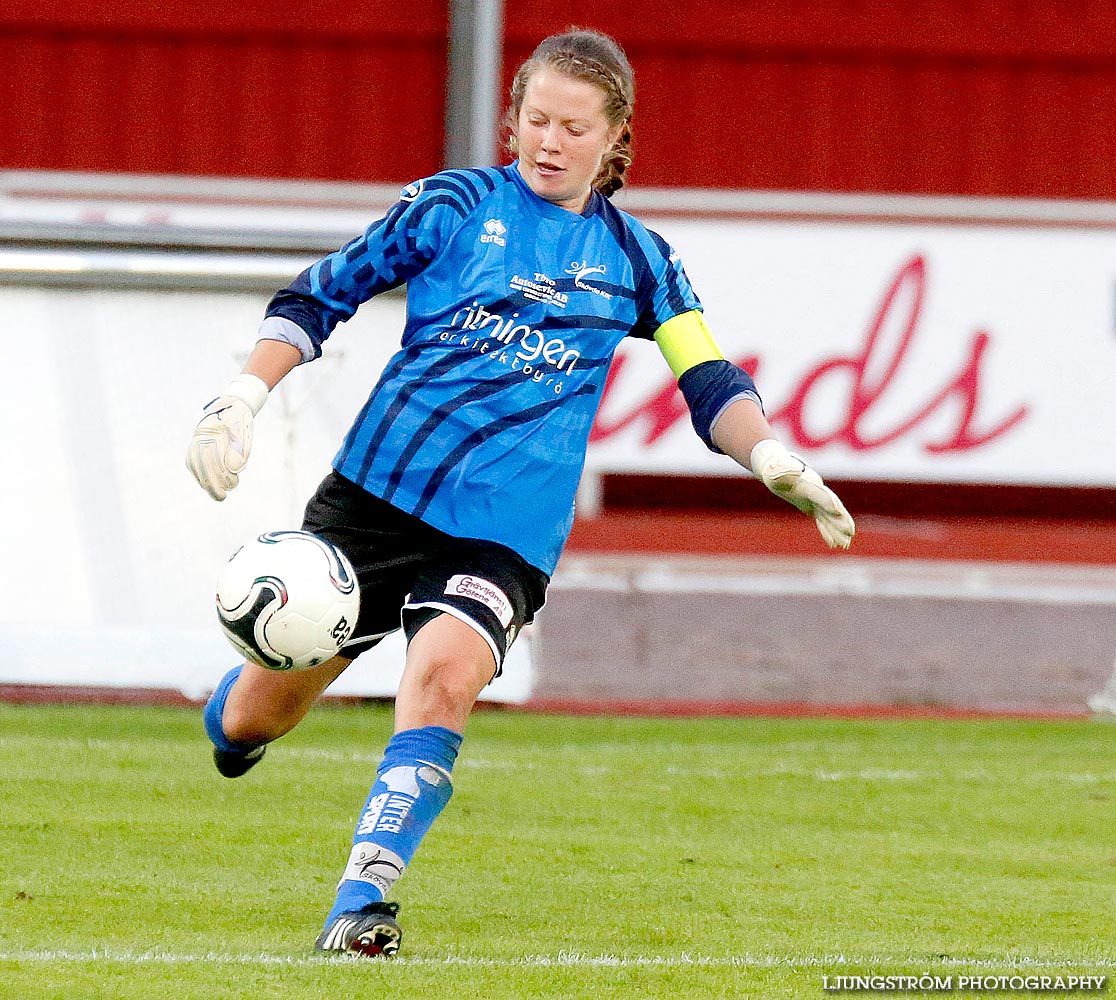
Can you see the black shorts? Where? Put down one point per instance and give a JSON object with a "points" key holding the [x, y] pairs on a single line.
{"points": [[410, 572]]}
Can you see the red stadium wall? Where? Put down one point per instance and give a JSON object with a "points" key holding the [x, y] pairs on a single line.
{"points": [[260, 89], [932, 96]]}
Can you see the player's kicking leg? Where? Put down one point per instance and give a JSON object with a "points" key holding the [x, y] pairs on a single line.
{"points": [[253, 706], [448, 664]]}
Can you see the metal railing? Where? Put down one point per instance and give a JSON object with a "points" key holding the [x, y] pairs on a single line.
{"points": [[159, 232], [181, 233]]}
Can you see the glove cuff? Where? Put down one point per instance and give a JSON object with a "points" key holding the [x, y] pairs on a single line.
{"points": [[764, 451], [251, 389]]}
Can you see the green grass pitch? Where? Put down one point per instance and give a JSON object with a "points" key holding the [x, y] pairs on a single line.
{"points": [[579, 857]]}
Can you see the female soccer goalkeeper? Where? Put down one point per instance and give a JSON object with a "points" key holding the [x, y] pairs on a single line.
{"points": [[452, 494]]}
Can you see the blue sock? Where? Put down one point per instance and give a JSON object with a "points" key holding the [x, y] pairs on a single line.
{"points": [[214, 711], [412, 787]]}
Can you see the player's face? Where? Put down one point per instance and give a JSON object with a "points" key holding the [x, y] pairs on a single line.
{"points": [[563, 137]]}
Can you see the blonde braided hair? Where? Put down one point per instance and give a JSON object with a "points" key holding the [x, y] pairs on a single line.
{"points": [[593, 56]]}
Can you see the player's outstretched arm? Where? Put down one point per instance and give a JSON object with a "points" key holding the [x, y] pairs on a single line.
{"points": [[743, 433], [222, 440]]}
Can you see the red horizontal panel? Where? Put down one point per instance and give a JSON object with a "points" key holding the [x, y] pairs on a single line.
{"points": [[222, 107], [418, 18], [1082, 30], [871, 123], [857, 96]]}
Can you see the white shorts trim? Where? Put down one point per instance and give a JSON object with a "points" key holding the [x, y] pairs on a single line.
{"points": [[364, 640], [449, 609]]}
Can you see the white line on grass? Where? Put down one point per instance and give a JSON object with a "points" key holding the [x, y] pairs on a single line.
{"points": [[746, 767], [742, 769], [563, 959]]}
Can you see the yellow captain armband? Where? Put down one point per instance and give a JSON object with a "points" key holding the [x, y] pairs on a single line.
{"points": [[686, 341]]}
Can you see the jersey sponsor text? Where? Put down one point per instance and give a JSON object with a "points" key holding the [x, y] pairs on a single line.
{"points": [[533, 344]]}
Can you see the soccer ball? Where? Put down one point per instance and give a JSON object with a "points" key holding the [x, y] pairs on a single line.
{"points": [[288, 600]]}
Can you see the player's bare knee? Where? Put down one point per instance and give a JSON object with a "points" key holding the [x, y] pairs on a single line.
{"points": [[438, 691], [253, 717], [447, 684], [266, 704]]}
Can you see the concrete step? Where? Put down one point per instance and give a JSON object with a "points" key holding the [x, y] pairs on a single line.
{"points": [[841, 633]]}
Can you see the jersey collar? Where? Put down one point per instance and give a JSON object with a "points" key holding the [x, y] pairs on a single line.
{"points": [[544, 207]]}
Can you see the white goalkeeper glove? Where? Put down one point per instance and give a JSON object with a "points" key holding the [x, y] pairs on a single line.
{"points": [[787, 476], [223, 438]]}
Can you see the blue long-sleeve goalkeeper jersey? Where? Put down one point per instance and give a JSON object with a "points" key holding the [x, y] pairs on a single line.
{"points": [[479, 424]]}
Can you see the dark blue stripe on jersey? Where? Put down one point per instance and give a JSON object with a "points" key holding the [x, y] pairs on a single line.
{"points": [[479, 178], [587, 323], [405, 357], [434, 421], [458, 186], [641, 267], [482, 434], [430, 203], [484, 176], [435, 370], [674, 292], [619, 291], [586, 363], [595, 362], [354, 248], [392, 216]]}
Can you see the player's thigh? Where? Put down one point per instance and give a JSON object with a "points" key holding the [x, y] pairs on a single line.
{"points": [[461, 618], [270, 702], [486, 587]]}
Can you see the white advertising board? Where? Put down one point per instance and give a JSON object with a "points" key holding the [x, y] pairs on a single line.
{"points": [[894, 351]]}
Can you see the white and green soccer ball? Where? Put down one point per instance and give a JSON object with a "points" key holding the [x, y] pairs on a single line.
{"points": [[288, 600]]}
